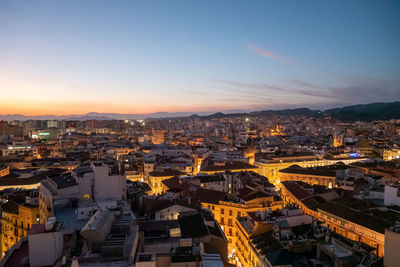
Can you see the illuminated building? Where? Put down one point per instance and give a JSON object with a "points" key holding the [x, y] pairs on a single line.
{"points": [[157, 136], [156, 178], [292, 192], [257, 232], [391, 154], [208, 167], [354, 225], [348, 222], [226, 212], [250, 154], [277, 131], [314, 176], [270, 167], [338, 141], [17, 219], [250, 192], [4, 170], [17, 148]]}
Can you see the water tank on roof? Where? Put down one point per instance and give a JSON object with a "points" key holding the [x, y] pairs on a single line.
{"points": [[98, 227]]}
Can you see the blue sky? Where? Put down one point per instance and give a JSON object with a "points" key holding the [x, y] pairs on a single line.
{"points": [[66, 57]]}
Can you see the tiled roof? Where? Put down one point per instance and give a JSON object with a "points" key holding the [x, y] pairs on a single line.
{"points": [[210, 178], [193, 226], [174, 183], [10, 207], [166, 173], [31, 180], [254, 195], [232, 165], [37, 229], [310, 171], [296, 190], [209, 196], [371, 222], [18, 255], [63, 181]]}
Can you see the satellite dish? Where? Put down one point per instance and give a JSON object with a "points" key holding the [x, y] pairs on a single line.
{"points": [[63, 260]]}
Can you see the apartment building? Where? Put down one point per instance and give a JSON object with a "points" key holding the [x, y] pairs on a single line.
{"points": [[17, 219]]}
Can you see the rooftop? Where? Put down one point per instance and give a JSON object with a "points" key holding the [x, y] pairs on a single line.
{"points": [[165, 173], [371, 222]]}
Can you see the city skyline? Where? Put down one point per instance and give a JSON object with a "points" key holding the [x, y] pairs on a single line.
{"points": [[144, 57]]}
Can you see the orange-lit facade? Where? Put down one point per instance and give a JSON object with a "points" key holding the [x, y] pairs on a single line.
{"points": [[16, 224], [226, 214]]}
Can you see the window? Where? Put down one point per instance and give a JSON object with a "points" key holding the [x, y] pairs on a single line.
{"points": [[222, 211], [222, 221], [229, 222], [230, 212]]}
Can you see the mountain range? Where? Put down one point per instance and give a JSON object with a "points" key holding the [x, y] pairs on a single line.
{"points": [[362, 112]]}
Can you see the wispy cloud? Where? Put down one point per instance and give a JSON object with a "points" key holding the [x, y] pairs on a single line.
{"points": [[353, 90], [246, 85], [296, 93], [305, 84], [265, 53]]}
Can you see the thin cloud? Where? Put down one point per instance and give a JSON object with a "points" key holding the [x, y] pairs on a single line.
{"points": [[265, 53], [246, 85], [354, 90], [315, 93], [305, 84]]}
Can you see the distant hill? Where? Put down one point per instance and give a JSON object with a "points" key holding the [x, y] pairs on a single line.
{"points": [[289, 112], [367, 112]]}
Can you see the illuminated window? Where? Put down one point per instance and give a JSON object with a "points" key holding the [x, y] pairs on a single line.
{"points": [[87, 196]]}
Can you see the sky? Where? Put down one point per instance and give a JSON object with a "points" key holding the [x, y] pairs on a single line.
{"points": [[74, 57]]}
